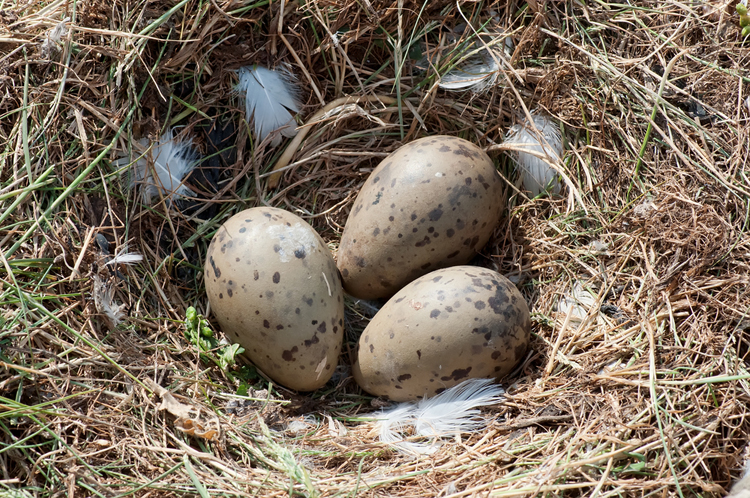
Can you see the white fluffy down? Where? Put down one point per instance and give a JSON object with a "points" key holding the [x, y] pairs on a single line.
{"points": [[162, 170], [271, 100], [104, 300], [542, 138], [454, 411]]}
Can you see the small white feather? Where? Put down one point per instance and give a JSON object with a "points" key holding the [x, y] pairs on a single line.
{"points": [[478, 69], [477, 74], [271, 101], [51, 44], [104, 300], [124, 257], [454, 411], [163, 169], [543, 141], [576, 303]]}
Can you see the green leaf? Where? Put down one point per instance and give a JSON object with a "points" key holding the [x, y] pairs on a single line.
{"points": [[199, 334]]}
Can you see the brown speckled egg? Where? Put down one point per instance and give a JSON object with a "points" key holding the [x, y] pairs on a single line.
{"points": [[274, 288], [432, 203], [443, 328]]}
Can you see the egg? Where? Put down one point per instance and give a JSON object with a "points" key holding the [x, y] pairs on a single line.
{"points": [[432, 203], [441, 329], [274, 289]]}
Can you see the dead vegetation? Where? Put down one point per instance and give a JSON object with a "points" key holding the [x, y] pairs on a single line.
{"points": [[638, 277]]}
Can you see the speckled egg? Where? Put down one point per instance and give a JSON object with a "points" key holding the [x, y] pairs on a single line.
{"points": [[443, 328], [432, 203], [274, 288]]}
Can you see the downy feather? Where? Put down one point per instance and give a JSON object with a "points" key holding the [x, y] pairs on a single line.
{"points": [[104, 300], [54, 37], [541, 137], [453, 411], [271, 101], [170, 160]]}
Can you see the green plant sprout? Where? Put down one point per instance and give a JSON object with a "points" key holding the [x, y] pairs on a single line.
{"points": [[200, 334], [744, 19]]}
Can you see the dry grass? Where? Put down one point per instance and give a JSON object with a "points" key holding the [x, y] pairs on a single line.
{"points": [[645, 395]]}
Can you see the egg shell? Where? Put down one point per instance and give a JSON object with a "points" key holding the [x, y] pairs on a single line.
{"points": [[443, 328], [274, 288], [432, 203]]}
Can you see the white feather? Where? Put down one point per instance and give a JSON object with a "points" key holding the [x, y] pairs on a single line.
{"points": [[542, 138], [271, 101], [104, 300], [478, 68], [454, 411], [54, 37], [576, 303], [124, 257], [162, 170], [477, 74], [394, 420]]}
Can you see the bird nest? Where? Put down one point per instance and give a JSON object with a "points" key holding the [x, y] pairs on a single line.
{"points": [[636, 275]]}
